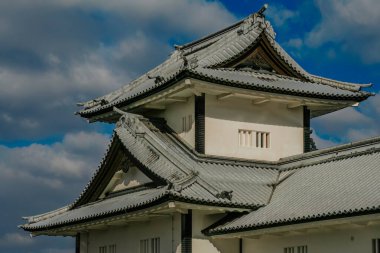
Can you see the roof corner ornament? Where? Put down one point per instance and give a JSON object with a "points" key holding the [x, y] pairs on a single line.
{"points": [[92, 103], [262, 10], [157, 79], [225, 195], [183, 58], [178, 47], [130, 121], [257, 21], [179, 182]]}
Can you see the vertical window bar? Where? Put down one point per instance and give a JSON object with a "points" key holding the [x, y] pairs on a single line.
{"points": [[190, 122], [264, 140]]}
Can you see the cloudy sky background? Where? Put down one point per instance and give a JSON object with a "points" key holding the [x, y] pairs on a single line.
{"points": [[54, 54]]}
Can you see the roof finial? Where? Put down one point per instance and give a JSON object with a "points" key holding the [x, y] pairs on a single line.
{"points": [[263, 9]]}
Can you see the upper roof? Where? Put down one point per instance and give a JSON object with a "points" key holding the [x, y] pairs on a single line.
{"points": [[344, 178], [252, 38]]}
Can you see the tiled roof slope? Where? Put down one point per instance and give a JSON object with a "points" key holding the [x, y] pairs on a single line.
{"points": [[276, 83], [214, 52], [335, 184], [110, 206], [322, 184], [188, 178]]}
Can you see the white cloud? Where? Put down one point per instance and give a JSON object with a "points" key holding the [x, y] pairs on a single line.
{"points": [[85, 49], [322, 143], [374, 103], [361, 134], [347, 125], [352, 24], [75, 157], [13, 239], [279, 14], [295, 43], [39, 178], [338, 121]]}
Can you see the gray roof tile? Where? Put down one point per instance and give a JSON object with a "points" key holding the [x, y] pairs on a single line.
{"points": [[188, 178], [273, 82], [345, 185], [211, 52], [319, 184], [101, 208]]}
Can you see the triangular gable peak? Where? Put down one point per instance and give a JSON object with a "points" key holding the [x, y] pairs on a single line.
{"points": [[128, 177], [117, 173], [263, 57]]}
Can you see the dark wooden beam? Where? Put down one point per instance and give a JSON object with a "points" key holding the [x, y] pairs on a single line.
{"points": [[186, 232], [306, 130], [200, 123]]}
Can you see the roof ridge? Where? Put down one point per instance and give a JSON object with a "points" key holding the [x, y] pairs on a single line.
{"points": [[336, 157], [211, 36], [329, 150]]}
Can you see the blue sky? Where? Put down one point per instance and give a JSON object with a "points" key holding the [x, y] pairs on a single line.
{"points": [[54, 54]]}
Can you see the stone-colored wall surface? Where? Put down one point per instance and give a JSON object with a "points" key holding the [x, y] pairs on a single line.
{"points": [[224, 118], [344, 240]]}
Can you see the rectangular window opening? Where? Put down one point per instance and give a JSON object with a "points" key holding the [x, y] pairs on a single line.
{"points": [[151, 245], [155, 243], [302, 249], [187, 123], [245, 138], [144, 246], [103, 249], [289, 250], [262, 139], [112, 248]]}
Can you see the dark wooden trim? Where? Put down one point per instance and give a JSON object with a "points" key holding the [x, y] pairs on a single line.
{"points": [[199, 112], [306, 130], [77, 243], [240, 245], [186, 232]]}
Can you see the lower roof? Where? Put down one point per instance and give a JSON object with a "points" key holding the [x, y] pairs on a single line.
{"points": [[344, 185], [324, 184]]}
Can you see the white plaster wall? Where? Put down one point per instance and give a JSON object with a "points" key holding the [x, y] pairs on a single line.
{"points": [[134, 177], [348, 241], [224, 118], [83, 242], [201, 243], [173, 115], [127, 238]]}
